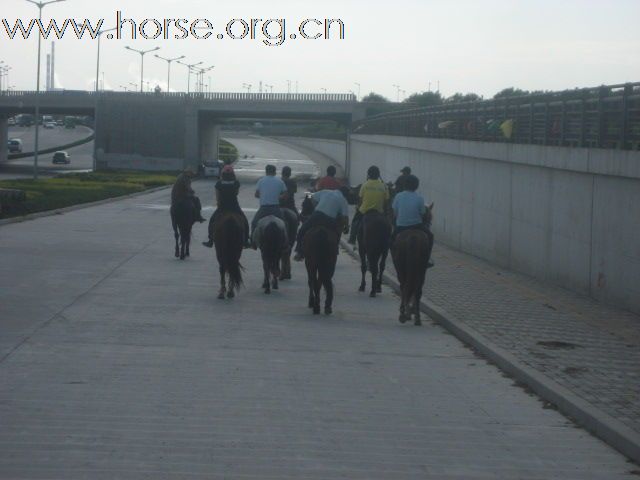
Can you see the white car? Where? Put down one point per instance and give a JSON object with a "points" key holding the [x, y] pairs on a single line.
{"points": [[11, 121], [49, 125]]}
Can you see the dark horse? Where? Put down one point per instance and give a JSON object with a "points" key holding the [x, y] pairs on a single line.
{"points": [[373, 248], [228, 238], [321, 255], [411, 251], [292, 222], [183, 216], [272, 241]]}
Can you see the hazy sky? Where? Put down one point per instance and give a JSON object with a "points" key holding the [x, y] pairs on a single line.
{"points": [[477, 46]]}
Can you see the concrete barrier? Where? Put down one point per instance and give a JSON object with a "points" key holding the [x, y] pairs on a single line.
{"points": [[568, 216]]}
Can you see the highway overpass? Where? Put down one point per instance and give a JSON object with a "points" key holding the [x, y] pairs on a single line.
{"points": [[173, 130]]}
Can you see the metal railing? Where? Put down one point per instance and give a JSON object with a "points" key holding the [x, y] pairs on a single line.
{"points": [[600, 117], [213, 96]]}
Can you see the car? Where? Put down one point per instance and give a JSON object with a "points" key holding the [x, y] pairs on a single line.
{"points": [[14, 145], [61, 157], [11, 121], [60, 122], [49, 125]]}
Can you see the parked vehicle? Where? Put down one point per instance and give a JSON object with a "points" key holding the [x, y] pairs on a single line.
{"points": [[11, 121], [61, 157], [24, 120], [14, 145], [49, 125], [69, 122]]}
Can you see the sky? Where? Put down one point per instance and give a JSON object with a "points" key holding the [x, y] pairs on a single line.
{"points": [[479, 46]]}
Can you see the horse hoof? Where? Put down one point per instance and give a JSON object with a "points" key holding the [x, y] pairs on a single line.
{"points": [[373, 294], [275, 286], [231, 295], [379, 290], [361, 289], [328, 310], [221, 296], [418, 323], [316, 310], [403, 318], [267, 292]]}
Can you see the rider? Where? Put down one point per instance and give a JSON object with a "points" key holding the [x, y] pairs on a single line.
{"points": [[182, 189], [292, 188], [373, 195], [332, 211], [401, 182], [227, 189], [410, 212], [330, 182], [269, 189]]}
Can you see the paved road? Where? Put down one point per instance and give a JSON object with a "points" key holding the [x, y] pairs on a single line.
{"points": [[117, 361], [81, 157]]}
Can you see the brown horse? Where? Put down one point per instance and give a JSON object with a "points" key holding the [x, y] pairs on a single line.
{"points": [[228, 238], [373, 247], [183, 216], [292, 222], [321, 255], [411, 252]]}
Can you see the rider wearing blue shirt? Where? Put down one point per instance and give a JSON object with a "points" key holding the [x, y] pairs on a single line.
{"points": [[332, 211], [410, 212], [270, 190]]}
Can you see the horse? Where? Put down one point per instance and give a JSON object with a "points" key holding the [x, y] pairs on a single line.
{"points": [[183, 216], [321, 255], [271, 237], [373, 247], [292, 222], [411, 252], [228, 238]]}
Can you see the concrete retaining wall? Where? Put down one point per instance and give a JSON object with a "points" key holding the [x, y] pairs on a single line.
{"points": [[564, 215], [334, 149]]}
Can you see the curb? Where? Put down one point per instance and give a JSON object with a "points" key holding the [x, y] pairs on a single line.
{"points": [[610, 430], [71, 208]]}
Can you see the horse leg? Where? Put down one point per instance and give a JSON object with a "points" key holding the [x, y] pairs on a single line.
{"points": [[188, 244], [176, 235], [404, 305], [418, 298], [183, 244], [312, 300], [223, 289], [328, 303], [317, 285], [383, 264], [373, 265], [266, 285], [363, 270]]}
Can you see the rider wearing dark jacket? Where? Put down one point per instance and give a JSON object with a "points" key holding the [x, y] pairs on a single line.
{"points": [[182, 190], [227, 189], [289, 201]]}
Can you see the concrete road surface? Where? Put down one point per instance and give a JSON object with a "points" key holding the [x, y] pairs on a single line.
{"points": [[118, 361]]}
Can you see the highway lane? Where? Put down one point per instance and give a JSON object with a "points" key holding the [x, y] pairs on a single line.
{"points": [[81, 156]]}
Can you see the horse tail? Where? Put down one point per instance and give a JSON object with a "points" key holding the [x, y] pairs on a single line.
{"points": [[272, 242], [234, 240]]}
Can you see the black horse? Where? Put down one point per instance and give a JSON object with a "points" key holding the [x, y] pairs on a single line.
{"points": [[321, 255], [228, 238], [373, 247], [183, 216], [292, 222], [271, 237]]}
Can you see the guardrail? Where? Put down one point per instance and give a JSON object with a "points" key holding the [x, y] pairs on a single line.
{"points": [[213, 96], [600, 117]]}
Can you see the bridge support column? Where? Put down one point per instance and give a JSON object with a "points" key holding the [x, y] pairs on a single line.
{"points": [[4, 138], [209, 139]]}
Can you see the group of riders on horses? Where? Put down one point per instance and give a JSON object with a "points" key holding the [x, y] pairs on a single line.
{"points": [[329, 199]]}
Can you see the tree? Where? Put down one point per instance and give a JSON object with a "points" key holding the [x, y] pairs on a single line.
{"points": [[511, 92], [425, 99], [463, 97], [375, 97]]}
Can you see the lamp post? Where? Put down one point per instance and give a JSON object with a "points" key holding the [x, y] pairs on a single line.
{"points": [[201, 71], [397, 87], [124, 87], [4, 72], [142, 54], [356, 83], [270, 87], [189, 67], [134, 85], [169, 61], [324, 90], [40, 6], [247, 86]]}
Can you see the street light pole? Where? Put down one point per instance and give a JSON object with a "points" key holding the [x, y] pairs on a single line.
{"points": [[189, 67], [40, 6], [142, 54], [169, 61], [398, 90], [356, 83]]}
